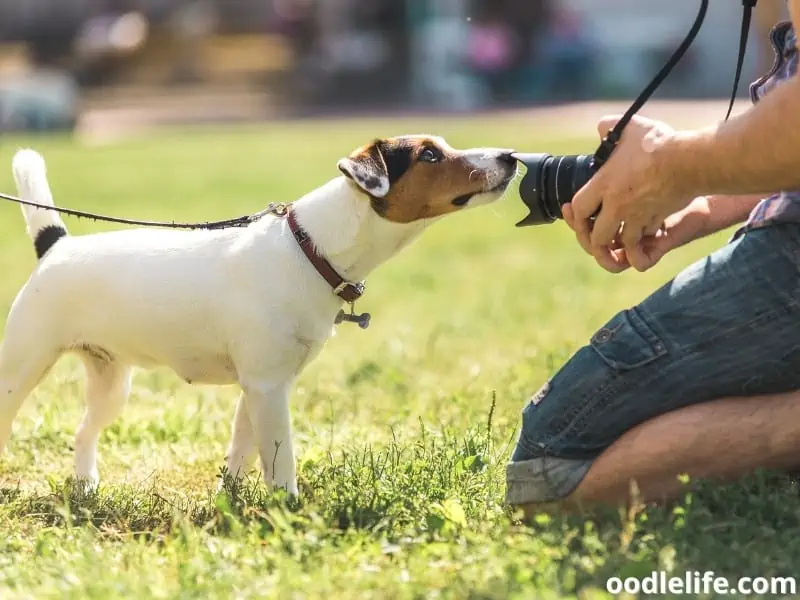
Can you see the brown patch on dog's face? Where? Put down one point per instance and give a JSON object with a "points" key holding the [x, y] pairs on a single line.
{"points": [[410, 178]]}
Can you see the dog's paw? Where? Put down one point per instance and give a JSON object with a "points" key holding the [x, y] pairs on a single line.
{"points": [[87, 483], [289, 486]]}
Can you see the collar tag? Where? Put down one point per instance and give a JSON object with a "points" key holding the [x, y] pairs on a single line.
{"points": [[348, 291], [362, 320]]}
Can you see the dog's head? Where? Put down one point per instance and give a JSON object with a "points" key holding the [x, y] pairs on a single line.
{"points": [[416, 177]]}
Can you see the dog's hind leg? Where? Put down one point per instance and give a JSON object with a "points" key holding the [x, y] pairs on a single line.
{"points": [[23, 364], [108, 384]]}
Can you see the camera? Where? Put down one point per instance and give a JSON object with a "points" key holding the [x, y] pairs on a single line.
{"points": [[550, 182]]}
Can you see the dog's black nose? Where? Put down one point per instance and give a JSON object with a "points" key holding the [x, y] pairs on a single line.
{"points": [[507, 157]]}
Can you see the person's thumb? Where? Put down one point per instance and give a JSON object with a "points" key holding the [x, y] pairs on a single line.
{"points": [[606, 124]]}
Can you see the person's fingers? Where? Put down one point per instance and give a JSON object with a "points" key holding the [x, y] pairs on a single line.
{"points": [[582, 228], [587, 199], [663, 244], [632, 239], [605, 228], [569, 216], [656, 247], [655, 250], [611, 259], [620, 258], [653, 228], [614, 261], [631, 233]]}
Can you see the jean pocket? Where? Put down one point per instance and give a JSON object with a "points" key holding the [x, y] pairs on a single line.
{"points": [[627, 342]]}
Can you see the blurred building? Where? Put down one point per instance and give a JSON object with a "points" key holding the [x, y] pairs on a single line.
{"points": [[312, 55]]}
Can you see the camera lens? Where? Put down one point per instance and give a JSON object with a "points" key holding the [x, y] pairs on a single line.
{"points": [[550, 182], [562, 177]]}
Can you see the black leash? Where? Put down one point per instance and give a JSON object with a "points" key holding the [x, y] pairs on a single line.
{"points": [[242, 221]]}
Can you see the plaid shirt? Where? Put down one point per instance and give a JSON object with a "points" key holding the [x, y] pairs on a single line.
{"points": [[784, 206]]}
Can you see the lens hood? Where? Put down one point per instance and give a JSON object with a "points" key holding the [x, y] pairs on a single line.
{"points": [[529, 191]]}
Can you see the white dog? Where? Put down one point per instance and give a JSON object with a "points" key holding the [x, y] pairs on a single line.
{"points": [[249, 305]]}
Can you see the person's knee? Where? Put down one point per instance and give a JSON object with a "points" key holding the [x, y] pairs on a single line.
{"points": [[588, 404], [555, 448], [558, 420]]}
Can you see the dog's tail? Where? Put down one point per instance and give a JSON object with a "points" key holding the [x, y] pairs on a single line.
{"points": [[45, 227]]}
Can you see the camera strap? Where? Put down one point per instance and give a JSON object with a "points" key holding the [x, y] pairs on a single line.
{"points": [[747, 16], [612, 138]]}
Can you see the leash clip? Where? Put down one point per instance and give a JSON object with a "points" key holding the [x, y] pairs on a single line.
{"points": [[278, 209]]}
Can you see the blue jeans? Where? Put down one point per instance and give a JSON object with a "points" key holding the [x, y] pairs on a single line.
{"points": [[728, 325]]}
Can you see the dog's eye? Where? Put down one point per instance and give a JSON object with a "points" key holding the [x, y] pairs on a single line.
{"points": [[428, 155]]}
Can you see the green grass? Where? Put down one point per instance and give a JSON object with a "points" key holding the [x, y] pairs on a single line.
{"points": [[403, 430]]}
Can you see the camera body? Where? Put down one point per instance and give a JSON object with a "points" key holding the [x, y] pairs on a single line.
{"points": [[550, 182]]}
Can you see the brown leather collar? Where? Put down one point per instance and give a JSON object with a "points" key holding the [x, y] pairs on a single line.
{"points": [[346, 290]]}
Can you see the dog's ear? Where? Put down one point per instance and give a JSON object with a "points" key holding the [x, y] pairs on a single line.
{"points": [[376, 166]]}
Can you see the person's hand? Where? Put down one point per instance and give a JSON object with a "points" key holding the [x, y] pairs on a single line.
{"points": [[635, 193], [678, 229]]}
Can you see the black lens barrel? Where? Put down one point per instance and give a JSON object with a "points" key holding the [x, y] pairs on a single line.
{"points": [[550, 182]]}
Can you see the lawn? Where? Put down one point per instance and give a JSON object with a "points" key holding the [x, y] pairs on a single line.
{"points": [[403, 430]]}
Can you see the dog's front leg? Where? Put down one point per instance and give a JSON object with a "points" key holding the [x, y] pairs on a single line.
{"points": [[268, 408]]}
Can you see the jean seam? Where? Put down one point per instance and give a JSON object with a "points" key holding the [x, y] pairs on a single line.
{"points": [[604, 393], [607, 391], [542, 449], [643, 382], [641, 328], [792, 253], [530, 447], [580, 416], [587, 409], [790, 249], [727, 333], [582, 410], [644, 330]]}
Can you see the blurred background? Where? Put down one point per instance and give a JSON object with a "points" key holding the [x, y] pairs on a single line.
{"points": [[66, 64]]}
